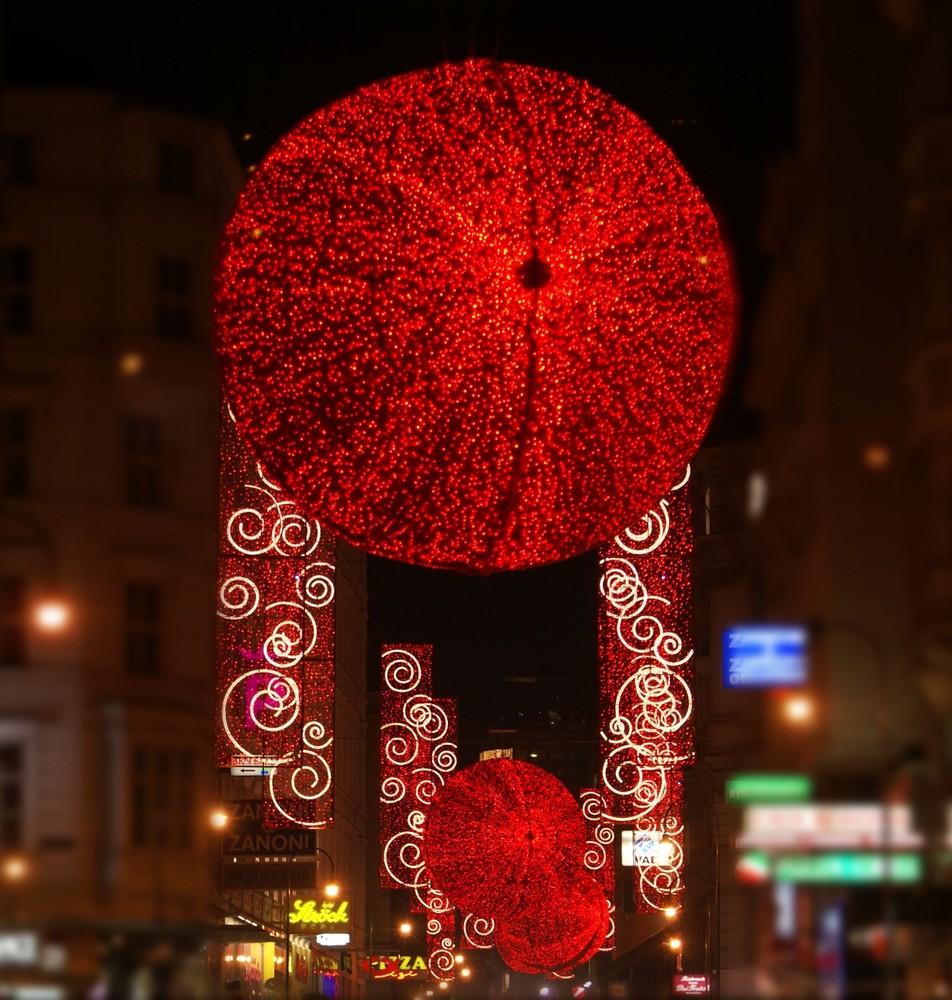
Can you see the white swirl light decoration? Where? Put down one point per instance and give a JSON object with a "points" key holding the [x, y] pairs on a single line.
{"points": [[261, 473], [239, 598], [402, 672], [640, 797], [290, 641], [271, 709], [622, 588], [315, 586], [392, 790], [650, 534], [293, 534], [427, 782], [428, 719], [403, 859], [441, 961], [658, 881], [478, 932], [401, 745], [309, 781], [444, 757]]}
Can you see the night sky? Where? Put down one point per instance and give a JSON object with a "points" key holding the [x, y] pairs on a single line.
{"points": [[714, 80]]}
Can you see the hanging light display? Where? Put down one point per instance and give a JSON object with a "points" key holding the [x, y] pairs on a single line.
{"points": [[274, 640], [646, 675], [600, 855], [497, 830], [562, 924], [475, 317]]}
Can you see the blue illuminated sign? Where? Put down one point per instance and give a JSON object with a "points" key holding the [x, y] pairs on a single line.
{"points": [[765, 656]]}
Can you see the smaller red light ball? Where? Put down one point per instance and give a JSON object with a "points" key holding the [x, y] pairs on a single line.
{"points": [[561, 925], [496, 829]]}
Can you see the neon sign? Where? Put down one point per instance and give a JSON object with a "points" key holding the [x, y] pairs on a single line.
{"points": [[308, 911]]}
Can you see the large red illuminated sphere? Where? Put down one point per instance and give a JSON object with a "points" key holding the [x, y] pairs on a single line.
{"points": [[475, 317], [497, 829], [562, 925]]}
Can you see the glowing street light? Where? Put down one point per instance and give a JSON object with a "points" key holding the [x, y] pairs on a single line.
{"points": [[51, 615], [798, 709], [15, 868], [218, 819], [405, 928]]}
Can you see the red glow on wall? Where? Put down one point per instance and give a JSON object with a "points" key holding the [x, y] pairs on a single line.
{"points": [[476, 316]]}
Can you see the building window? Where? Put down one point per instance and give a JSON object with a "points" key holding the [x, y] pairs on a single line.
{"points": [[173, 289], [176, 168], [162, 812], [20, 158], [18, 289], [12, 621], [143, 627], [16, 455], [11, 795], [143, 448]]}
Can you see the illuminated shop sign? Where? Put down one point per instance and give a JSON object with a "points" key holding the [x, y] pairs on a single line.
{"points": [[686, 984], [330, 940], [765, 656], [641, 848], [327, 913], [850, 825], [19, 948], [751, 789], [398, 967], [836, 867]]}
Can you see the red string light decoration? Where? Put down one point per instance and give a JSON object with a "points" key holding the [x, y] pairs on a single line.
{"points": [[600, 855], [562, 924], [274, 640], [646, 697], [497, 828], [475, 317]]}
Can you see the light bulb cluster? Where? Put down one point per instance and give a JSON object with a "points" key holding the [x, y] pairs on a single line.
{"points": [[505, 840], [274, 639], [646, 678], [474, 317]]}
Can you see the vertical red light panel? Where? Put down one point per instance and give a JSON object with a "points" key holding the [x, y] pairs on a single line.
{"points": [[646, 689], [407, 729], [600, 854], [274, 640]]}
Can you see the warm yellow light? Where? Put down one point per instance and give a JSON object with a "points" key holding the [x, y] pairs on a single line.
{"points": [[131, 363], [218, 819], [229, 958], [798, 708], [664, 851], [278, 959], [674, 943], [51, 614], [406, 927], [670, 911], [15, 869], [877, 457], [444, 986], [465, 973], [332, 890]]}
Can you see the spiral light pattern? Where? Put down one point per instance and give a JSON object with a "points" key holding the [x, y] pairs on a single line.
{"points": [[646, 686], [600, 854], [275, 639]]}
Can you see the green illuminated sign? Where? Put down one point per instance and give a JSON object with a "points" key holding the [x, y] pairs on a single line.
{"points": [[764, 789], [841, 867]]}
